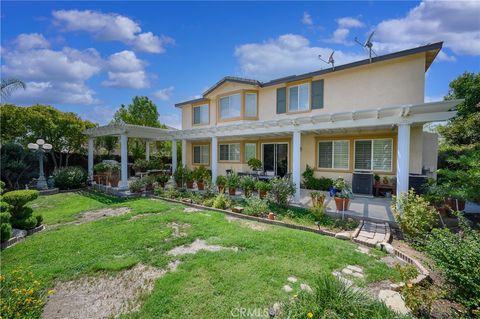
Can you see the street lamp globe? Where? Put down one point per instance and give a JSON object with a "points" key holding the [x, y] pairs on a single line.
{"points": [[33, 146], [47, 146], [40, 141]]}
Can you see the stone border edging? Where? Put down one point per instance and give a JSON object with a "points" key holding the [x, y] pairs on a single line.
{"points": [[12, 241], [357, 230]]}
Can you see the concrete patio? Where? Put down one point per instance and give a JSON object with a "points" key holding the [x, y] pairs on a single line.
{"points": [[367, 208]]}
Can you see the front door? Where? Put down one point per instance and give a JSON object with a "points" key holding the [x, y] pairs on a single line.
{"points": [[275, 158]]}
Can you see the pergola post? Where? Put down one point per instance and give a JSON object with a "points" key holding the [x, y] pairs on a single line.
{"points": [[214, 159], [403, 158], [174, 156], [147, 150], [90, 158], [296, 151], [184, 152], [124, 161]]}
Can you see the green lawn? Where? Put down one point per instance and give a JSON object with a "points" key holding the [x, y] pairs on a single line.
{"points": [[207, 284]]}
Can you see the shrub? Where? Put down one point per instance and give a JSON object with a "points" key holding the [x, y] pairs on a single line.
{"points": [[3, 206], [140, 165], [159, 191], [187, 175], [310, 182], [256, 207], [21, 295], [21, 217], [200, 174], [221, 180], [101, 168], [263, 186], [179, 175], [171, 192], [282, 189], [254, 164], [136, 186], [70, 178], [162, 178], [209, 202], [332, 299], [415, 217], [318, 212], [39, 219], [248, 184], [5, 231], [233, 181], [221, 202], [5, 217], [457, 255]]}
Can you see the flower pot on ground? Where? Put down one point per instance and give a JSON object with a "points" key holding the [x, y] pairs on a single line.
{"points": [[262, 188], [162, 179], [114, 180], [179, 176], [148, 181], [343, 194], [220, 182], [114, 177], [200, 175], [233, 181], [342, 203], [101, 170], [136, 186], [318, 199], [248, 185], [188, 177], [271, 216]]}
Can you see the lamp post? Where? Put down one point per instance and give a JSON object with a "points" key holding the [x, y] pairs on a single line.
{"points": [[41, 148]]}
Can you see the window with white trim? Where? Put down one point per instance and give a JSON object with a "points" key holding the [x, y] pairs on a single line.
{"points": [[230, 152], [230, 106], [299, 97], [200, 114], [201, 154], [374, 155], [333, 154], [250, 104], [250, 151]]}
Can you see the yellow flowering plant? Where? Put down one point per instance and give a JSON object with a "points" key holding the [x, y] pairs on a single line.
{"points": [[21, 295]]}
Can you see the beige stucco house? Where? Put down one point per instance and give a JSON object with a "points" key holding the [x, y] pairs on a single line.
{"points": [[362, 117]]}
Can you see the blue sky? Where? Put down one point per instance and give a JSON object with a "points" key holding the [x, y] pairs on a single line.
{"points": [[90, 57]]}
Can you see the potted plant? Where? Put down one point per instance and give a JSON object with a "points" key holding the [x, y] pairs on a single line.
{"points": [[200, 174], [262, 188], [233, 181], [114, 175], [136, 186], [187, 175], [456, 199], [385, 180], [140, 165], [254, 164], [343, 194], [376, 177], [101, 170], [318, 198], [148, 182], [162, 179], [248, 185], [178, 176], [221, 182]]}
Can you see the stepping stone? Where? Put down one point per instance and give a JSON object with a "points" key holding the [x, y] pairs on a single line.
{"points": [[393, 300], [237, 209], [357, 275], [287, 288], [344, 235], [398, 286], [347, 271], [363, 250], [191, 210], [355, 268], [344, 280], [306, 288], [292, 279]]}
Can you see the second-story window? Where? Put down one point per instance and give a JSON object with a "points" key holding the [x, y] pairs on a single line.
{"points": [[250, 104], [230, 106], [200, 114], [299, 97]]}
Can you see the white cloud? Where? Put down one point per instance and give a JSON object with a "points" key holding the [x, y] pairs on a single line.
{"points": [[307, 19], [286, 55], [340, 36], [27, 41], [349, 22], [125, 70], [172, 120], [98, 114], [164, 94], [111, 27], [455, 22]]}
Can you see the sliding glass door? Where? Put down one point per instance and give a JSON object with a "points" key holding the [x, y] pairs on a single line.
{"points": [[275, 158]]}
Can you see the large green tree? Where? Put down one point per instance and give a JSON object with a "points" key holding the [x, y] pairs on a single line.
{"points": [[464, 129], [64, 130]]}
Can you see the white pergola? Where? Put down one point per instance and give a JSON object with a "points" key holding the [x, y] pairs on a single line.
{"points": [[402, 117]]}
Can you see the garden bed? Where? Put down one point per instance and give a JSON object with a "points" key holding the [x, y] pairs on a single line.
{"points": [[20, 235]]}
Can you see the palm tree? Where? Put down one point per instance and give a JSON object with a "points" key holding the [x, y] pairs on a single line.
{"points": [[10, 85]]}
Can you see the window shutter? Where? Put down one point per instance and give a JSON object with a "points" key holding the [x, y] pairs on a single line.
{"points": [[281, 100], [317, 94]]}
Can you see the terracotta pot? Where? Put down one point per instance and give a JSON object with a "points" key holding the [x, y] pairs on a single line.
{"points": [[455, 204], [232, 191], [342, 203], [221, 188], [97, 178], [103, 179], [200, 186], [262, 194], [271, 216], [114, 181], [190, 184]]}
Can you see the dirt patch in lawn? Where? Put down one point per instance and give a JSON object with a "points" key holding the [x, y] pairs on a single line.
{"points": [[249, 224], [196, 246], [93, 215], [103, 297], [178, 229]]}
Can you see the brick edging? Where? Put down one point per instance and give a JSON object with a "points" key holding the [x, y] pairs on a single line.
{"points": [[12, 241], [423, 272]]}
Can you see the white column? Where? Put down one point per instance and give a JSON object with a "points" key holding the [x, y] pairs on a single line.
{"points": [[214, 160], [174, 156], [296, 151], [184, 152], [403, 158], [147, 150], [124, 161], [90, 158]]}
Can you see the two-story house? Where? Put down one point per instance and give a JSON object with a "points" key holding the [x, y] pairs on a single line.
{"points": [[365, 116]]}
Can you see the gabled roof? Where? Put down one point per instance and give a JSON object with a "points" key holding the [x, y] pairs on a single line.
{"points": [[431, 52]]}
